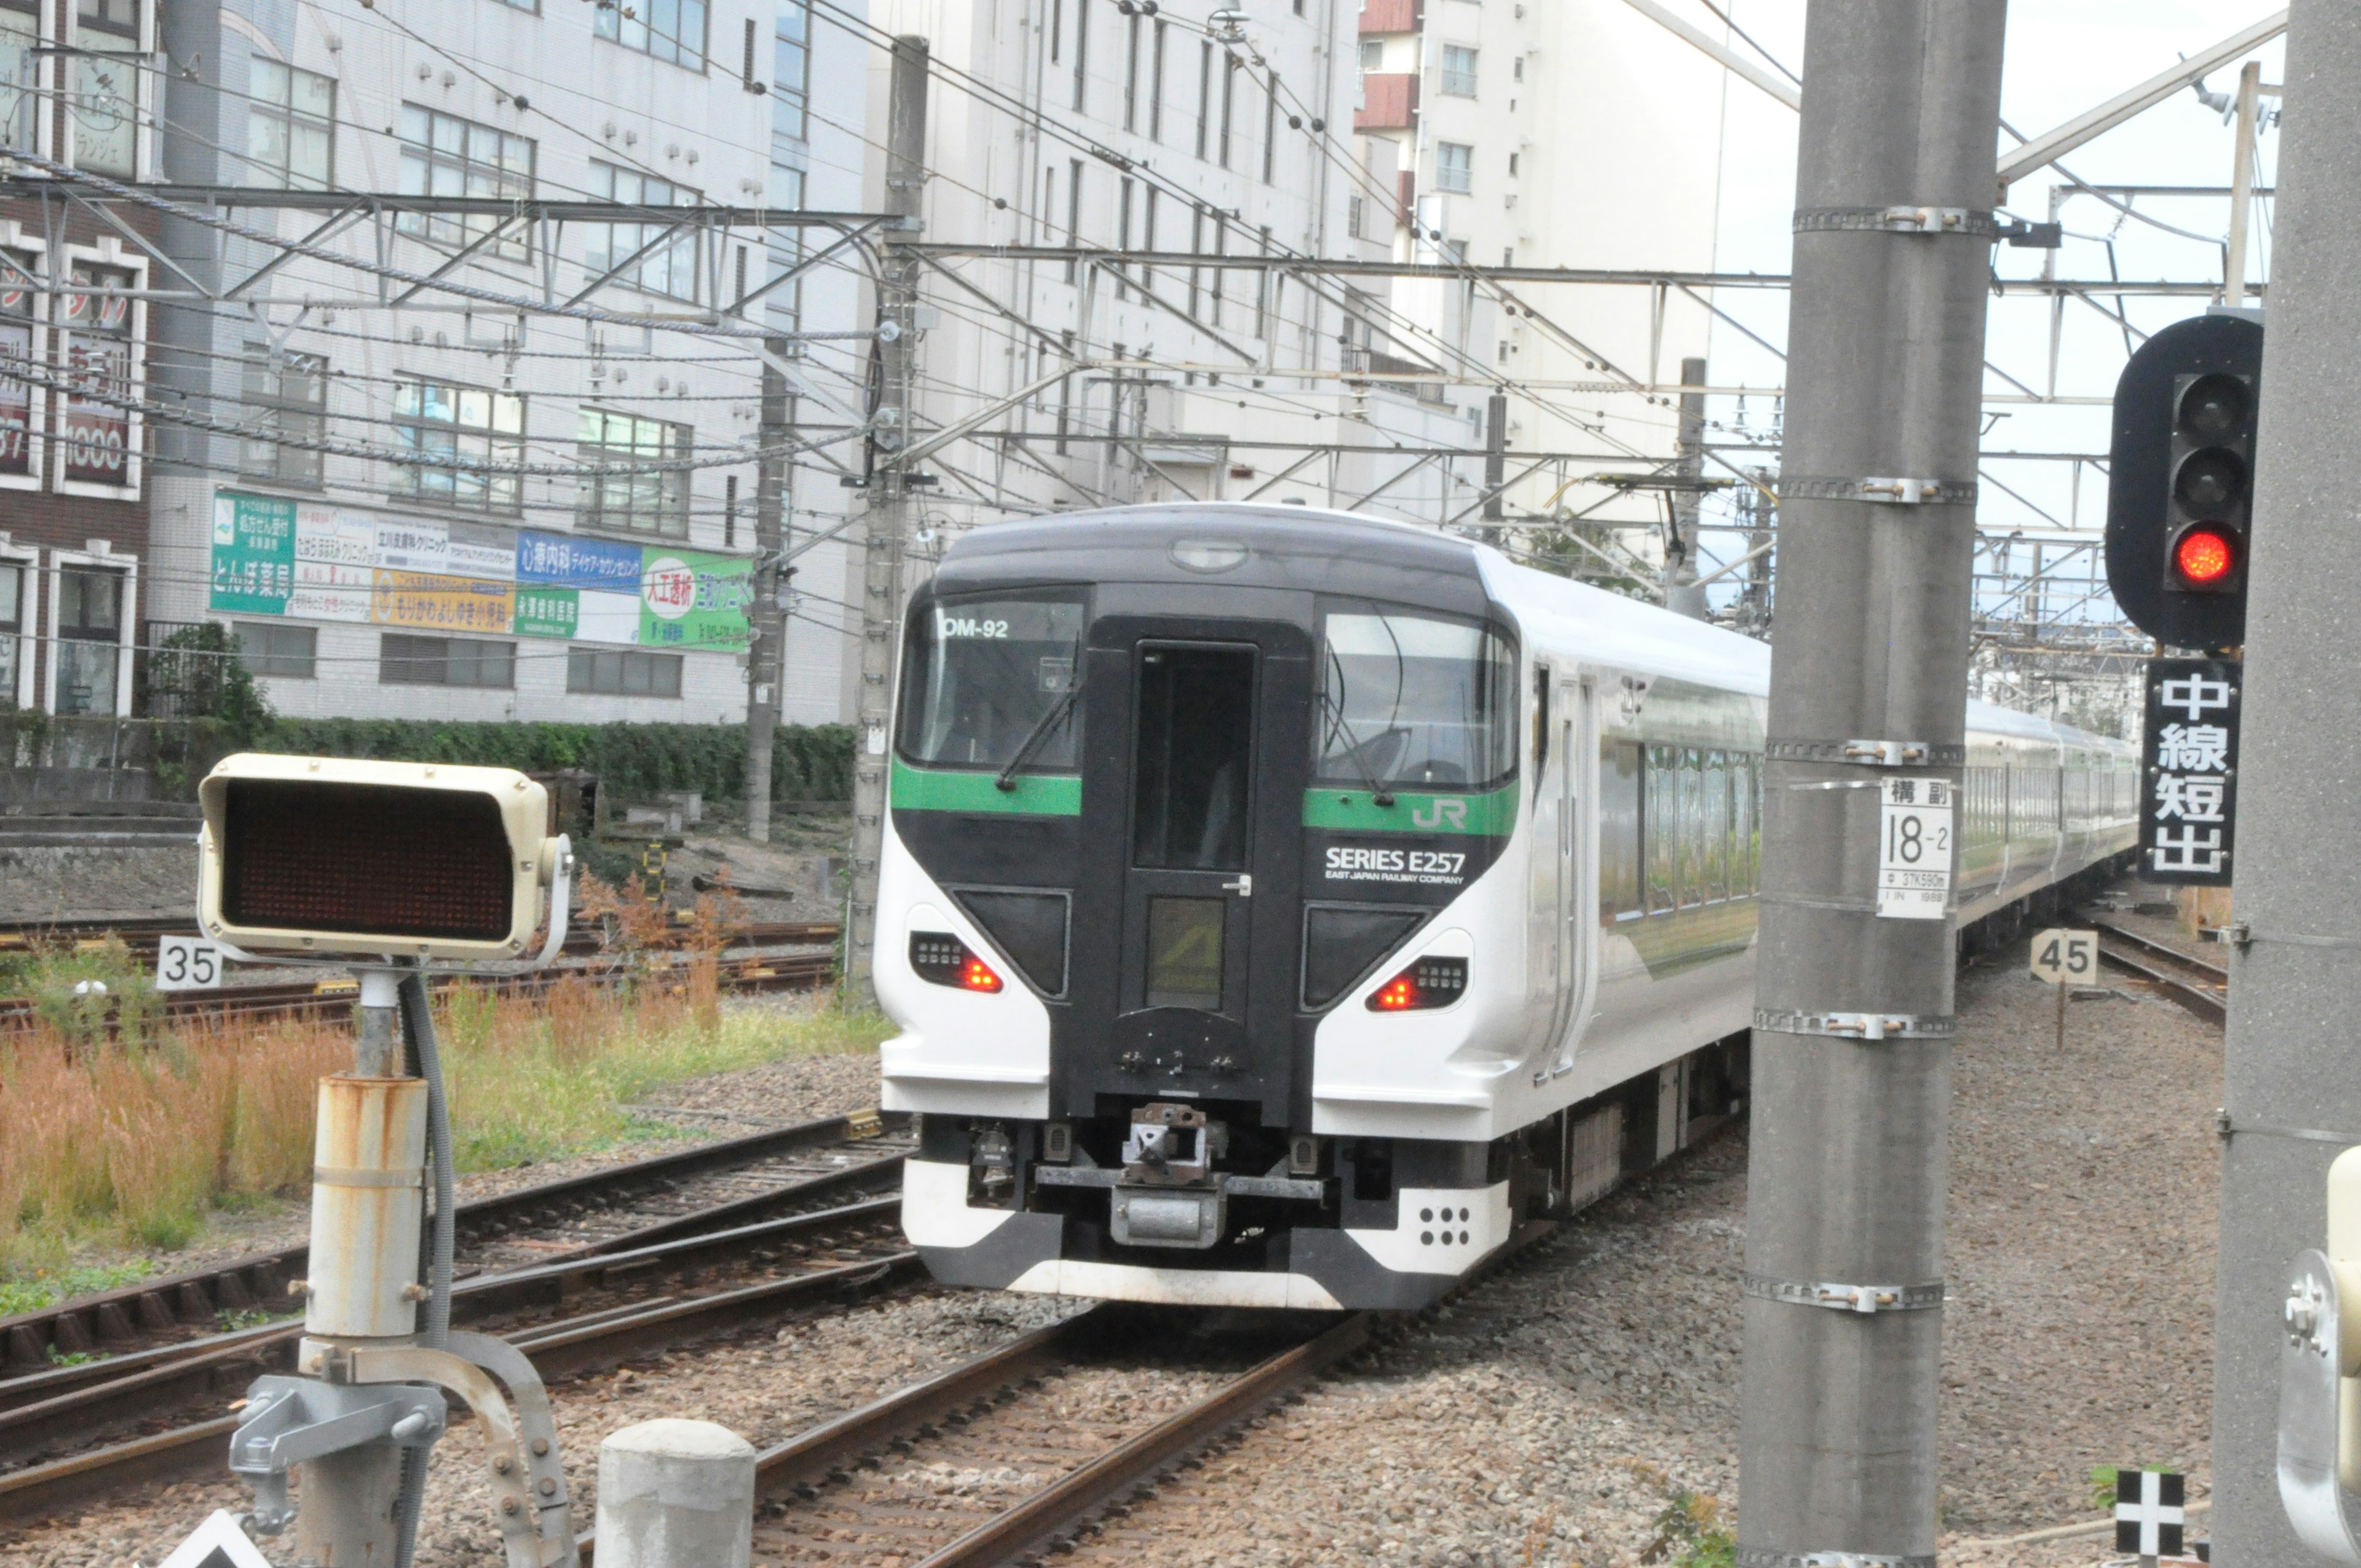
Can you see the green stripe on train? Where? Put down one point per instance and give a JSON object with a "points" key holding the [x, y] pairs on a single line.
{"points": [[1353, 810], [958, 789]]}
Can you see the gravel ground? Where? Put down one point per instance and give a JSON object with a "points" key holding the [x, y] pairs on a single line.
{"points": [[1545, 1419]]}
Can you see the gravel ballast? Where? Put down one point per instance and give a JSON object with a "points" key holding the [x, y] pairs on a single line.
{"points": [[1550, 1415]]}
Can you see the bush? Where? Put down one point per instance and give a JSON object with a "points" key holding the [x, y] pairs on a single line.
{"points": [[632, 761]]}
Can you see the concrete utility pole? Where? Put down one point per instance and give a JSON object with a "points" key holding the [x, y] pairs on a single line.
{"points": [[1682, 594], [766, 654], [2291, 1061], [888, 515], [1852, 1023]]}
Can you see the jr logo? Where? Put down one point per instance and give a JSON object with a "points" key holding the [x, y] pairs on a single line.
{"points": [[1439, 812]]}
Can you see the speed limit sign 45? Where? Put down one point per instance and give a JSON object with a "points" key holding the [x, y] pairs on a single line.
{"points": [[184, 963], [2063, 957]]}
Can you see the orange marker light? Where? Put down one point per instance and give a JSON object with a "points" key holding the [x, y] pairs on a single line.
{"points": [[976, 975], [2203, 557], [1396, 995]]}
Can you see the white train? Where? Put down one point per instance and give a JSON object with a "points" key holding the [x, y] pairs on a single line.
{"points": [[1280, 905]]}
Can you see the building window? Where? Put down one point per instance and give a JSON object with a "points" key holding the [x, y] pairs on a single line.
{"points": [[1517, 68], [1204, 94], [615, 673], [11, 630], [20, 40], [1353, 216], [1455, 166], [291, 120], [89, 638], [791, 68], [669, 265], [1458, 71], [406, 660], [1373, 54], [18, 422], [1229, 103], [442, 155], [279, 650], [98, 438], [669, 29], [1082, 54], [469, 434], [631, 497], [287, 402], [104, 111], [1155, 84]]}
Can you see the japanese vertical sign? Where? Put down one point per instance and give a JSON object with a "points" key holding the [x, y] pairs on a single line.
{"points": [[1914, 849], [2190, 771]]}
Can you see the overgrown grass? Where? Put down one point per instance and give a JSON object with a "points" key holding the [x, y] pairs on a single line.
{"points": [[115, 1129]]}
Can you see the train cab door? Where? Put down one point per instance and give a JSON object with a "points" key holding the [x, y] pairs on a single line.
{"points": [[1193, 809]]}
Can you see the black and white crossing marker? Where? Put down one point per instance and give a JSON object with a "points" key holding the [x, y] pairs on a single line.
{"points": [[2148, 1514]]}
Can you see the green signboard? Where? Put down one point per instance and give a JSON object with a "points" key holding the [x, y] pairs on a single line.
{"points": [[254, 554], [547, 612], [688, 600]]}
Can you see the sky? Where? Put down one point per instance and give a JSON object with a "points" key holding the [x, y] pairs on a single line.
{"points": [[2063, 57]]}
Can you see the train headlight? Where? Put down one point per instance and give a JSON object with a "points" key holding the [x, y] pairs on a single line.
{"points": [[939, 957], [1429, 983], [336, 856]]}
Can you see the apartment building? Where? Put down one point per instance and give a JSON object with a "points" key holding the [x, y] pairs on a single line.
{"points": [[1550, 133], [530, 496], [1118, 124], [75, 87]]}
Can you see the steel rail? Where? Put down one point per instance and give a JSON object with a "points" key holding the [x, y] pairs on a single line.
{"points": [[91, 1400], [2203, 988], [119, 1316], [596, 1339]]}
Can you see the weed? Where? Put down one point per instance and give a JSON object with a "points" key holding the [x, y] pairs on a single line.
{"points": [[1693, 1530], [74, 1357], [47, 1289], [245, 1318]]}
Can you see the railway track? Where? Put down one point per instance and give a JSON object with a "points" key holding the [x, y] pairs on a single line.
{"points": [[332, 999], [708, 1187], [1063, 1419], [720, 1238], [2201, 987], [141, 935]]}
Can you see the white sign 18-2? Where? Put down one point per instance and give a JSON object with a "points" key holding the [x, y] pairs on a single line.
{"points": [[1914, 849]]}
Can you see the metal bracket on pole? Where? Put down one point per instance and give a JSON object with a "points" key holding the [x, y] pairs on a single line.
{"points": [[1844, 1297], [1890, 491], [1869, 753], [2319, 1507], [1908, 220], [1772, 1557], [1858, 1026]]}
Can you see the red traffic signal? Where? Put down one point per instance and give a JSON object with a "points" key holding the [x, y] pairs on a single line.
{"points": [[2205, 558]]}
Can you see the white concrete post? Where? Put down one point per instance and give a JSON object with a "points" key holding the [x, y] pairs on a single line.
{"points": [[675, 1494]]}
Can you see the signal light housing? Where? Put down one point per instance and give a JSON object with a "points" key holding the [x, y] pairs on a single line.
{"points": [[2181, 481], [943, 959], [1427, 984], [320, 857]]}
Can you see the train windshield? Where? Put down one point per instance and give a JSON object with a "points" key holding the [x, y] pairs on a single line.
{"points": [[1413, 700], [989, 680]]}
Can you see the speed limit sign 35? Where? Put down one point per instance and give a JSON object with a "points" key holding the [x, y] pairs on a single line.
{"points": [[185, 963]]}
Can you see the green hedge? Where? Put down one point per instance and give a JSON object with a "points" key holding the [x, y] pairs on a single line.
{"points": [[633, 760]]}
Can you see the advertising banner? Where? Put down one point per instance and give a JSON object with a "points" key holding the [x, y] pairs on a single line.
{"points": [[430, 602], [692, 600], [254, 554], [322, 562]]}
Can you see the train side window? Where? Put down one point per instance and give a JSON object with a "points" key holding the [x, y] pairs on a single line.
{"points": [[1660, 819], [1715, 839], [1541, 724], [1619, 840], [1691, 829]]}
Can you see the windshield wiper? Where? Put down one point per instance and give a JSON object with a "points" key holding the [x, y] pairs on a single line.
{"points": [[1049, 721], [1379, 794]]}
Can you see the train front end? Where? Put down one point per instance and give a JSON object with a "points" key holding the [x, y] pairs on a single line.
{"points": [[1185, 802]]}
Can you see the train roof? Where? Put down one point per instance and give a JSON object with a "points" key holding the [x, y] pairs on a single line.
{"points": [[1323, 550]]}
